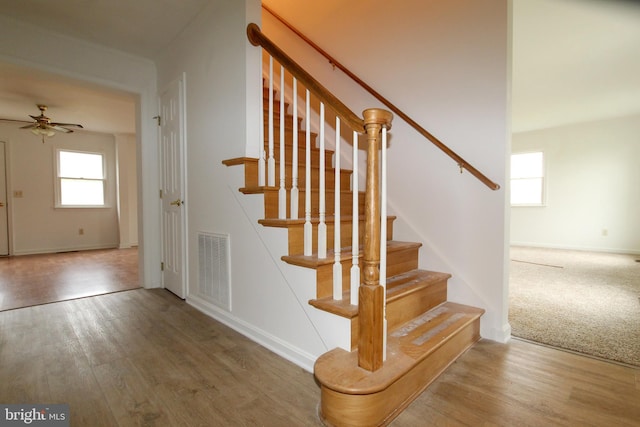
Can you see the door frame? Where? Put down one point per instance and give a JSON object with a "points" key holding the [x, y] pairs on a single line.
{"points": [[8, 195], [181, 82]]}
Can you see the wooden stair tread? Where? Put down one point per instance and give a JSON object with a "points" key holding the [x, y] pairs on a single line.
{"points": [[407, 346], [239, 161], [398, 286], [302, 147], [312, 261], [288, 129], [253, 190], [342, 307], [412, 281], [329, 219], [266, 188]]}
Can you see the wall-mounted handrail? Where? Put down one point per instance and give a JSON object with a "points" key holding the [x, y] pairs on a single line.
{"points": [[349, 117], [459, 160]]}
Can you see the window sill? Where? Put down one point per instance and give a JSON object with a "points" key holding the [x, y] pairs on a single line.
{"points": [[81, 207]]}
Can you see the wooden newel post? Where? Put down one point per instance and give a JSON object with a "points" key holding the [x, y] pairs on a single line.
{"points": [[371, 293]]}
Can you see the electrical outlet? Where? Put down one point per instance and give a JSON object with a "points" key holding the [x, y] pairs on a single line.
{"points": [[17, 193], [81, 231]]}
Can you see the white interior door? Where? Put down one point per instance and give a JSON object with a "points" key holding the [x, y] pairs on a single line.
{"points": [[4, 218], [172, 152]]}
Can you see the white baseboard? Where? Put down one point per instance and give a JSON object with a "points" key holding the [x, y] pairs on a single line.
{"points": [[502, 335], [281, 348], [60, 250], [577, 248]]}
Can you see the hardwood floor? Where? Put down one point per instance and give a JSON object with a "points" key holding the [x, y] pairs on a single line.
{"points": [[28, 280], [144, 357]]}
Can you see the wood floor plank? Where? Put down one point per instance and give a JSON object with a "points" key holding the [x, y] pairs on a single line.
{"points": [[70, 376], [131, 399], [193, 407], [23, 379], [525, 384], [99, 345], [144, 357], [294, 389]]}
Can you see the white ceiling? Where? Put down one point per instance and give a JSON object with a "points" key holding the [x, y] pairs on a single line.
{"points": [[573, 60], [140, 27], [69, 101]]}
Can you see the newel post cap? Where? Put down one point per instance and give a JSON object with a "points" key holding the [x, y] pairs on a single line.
{"points": [[377, 116]]}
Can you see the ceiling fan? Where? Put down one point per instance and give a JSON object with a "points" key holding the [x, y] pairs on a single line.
{"points": [[43, 126]]}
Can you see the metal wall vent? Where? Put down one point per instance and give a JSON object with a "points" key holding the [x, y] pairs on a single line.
{"points": [[214, 284]]}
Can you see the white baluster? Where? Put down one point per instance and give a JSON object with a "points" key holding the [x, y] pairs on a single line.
{"points": [[294, 161], [337, 265], [282, 192], [322, 226], [383, 239], [271, 161], [355, 238], [308, 230], [262, 166]]}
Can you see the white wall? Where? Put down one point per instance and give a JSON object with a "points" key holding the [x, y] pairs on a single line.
{"points": [[592, 181], [33, 47], [269, 303], [36, 225], [446, 64], [127, 190]]}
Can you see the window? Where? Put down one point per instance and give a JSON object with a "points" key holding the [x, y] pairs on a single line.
{"points": [[527, 179], [81, 179]]}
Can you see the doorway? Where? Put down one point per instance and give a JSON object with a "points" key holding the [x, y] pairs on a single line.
{"points": [[109, 113], [569, 108]]}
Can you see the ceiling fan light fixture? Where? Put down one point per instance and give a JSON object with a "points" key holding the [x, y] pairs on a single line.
{"points": [[42, 132]]}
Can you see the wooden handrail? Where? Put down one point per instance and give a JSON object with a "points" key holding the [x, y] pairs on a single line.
{"points": [[422, 131], [257, 38]]}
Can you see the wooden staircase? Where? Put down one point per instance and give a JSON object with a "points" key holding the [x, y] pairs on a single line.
{"points": [[425, 332]]}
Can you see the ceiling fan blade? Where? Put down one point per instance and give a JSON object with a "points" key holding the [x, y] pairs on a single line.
{"points": [[31, 126], [67, 124], [59, 128], [13, 120]]}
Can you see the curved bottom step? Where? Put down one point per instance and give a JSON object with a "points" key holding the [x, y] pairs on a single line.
{"points": [[417, 353]]}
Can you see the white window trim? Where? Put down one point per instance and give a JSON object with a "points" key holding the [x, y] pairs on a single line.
{"points": [[58, 178]]}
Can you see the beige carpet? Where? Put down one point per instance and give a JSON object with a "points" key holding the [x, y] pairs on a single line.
{"points": [[581, 301]]}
